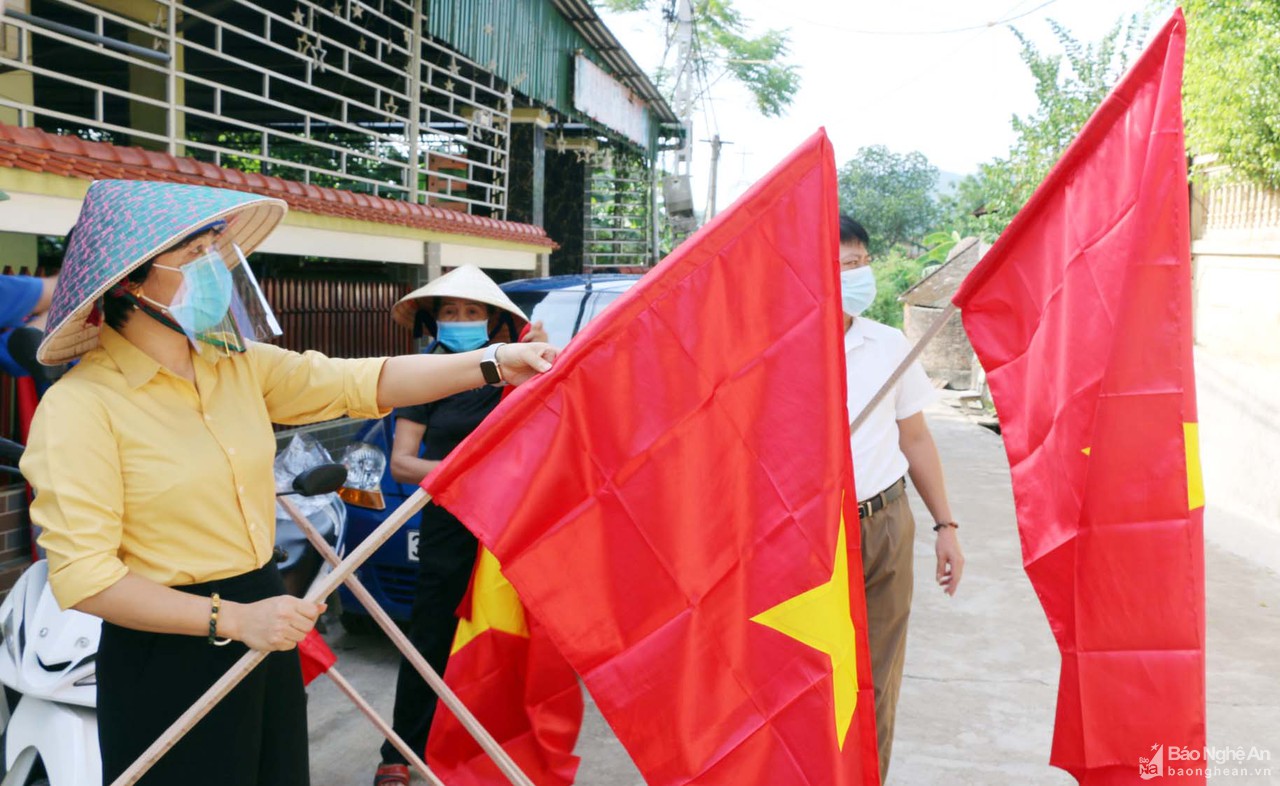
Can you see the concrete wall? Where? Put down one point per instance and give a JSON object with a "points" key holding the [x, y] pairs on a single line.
{"points": [[1236, 262]]}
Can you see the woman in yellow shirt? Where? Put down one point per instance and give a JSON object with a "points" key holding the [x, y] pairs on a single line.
{"points": [[151, 462]]}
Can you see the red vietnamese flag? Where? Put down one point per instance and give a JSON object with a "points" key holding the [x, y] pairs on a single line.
{"points": [[512, 679], [1081, 314], [676, 522]]}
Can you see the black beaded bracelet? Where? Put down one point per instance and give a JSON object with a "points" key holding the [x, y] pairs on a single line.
{"points": [[942, 524], [214, 639]]}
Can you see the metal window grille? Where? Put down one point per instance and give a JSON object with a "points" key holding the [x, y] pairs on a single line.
{"points": [[350, 94], [618, 211]]}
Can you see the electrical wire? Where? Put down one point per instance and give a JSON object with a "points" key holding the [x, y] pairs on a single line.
{"points": [[985, 26]]}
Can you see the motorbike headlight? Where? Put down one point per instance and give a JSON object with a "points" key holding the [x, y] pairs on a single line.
{"points": [[365, 465]]}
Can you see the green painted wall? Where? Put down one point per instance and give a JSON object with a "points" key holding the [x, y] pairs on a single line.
{"points": [[526, 38]]}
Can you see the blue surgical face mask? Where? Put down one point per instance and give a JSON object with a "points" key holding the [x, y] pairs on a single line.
{"points": [[857, 290], [463, 336], [205, 295]]}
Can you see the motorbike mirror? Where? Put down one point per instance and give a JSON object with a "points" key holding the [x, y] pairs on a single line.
{"points": [[320, 479]]}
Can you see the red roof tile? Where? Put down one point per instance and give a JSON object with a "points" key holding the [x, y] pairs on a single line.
{"points": [[39, 151]]}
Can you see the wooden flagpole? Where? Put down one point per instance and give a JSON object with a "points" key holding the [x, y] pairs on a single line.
{"points": [[500, 757], [929, 335], [382, 726], [219, 690]]}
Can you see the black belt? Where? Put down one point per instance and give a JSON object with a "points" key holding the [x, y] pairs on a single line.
{"points": [[868, 507]]}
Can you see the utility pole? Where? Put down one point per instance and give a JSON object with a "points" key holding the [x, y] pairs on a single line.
{"points": [[716, 144], [676, 191]]}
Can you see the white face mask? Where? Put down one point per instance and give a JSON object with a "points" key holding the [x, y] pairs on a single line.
{"points": [[857, 290]]}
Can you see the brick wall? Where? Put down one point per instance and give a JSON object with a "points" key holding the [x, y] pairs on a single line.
{"points": [[15, 535], [949, 356]]}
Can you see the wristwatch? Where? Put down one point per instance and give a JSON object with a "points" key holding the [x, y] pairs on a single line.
{"points": [[489, 365]]}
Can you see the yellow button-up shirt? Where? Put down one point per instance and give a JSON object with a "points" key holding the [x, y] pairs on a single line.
{"points": [[137, 470]]}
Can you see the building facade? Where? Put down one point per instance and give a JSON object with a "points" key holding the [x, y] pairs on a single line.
{"points": [[407, 138]]}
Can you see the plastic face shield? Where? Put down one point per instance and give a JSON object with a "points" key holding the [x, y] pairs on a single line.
{"points": [[196, 304]]}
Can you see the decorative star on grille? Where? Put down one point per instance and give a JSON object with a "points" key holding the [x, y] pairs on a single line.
{"points": [[492, 65], [304, 45], [520, 79], [448, 85], [453, 65], [488, 29], [298, 16], [357, 10], [337, 8], [318, 54], [391, 106], [364, 45]]}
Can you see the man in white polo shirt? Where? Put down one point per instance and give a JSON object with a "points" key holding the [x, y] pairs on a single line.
{"points": [[892, 443]]}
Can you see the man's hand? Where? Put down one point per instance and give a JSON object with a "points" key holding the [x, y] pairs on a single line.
{"points": [[521, 362], [950, 560]]}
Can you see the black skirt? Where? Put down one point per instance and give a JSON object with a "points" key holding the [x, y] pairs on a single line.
{"points": [[256, 736]]}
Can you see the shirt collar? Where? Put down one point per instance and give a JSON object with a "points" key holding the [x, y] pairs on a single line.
{"points": [[137, 366], [854, 336]]}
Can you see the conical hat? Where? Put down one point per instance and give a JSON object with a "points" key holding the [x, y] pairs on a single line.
{"points": [[124, 223], [465, 281]]}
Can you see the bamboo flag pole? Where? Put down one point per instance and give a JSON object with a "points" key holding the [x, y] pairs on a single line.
{"points": [[929, 335], [500, 757], [219, 690], [382, 726]]}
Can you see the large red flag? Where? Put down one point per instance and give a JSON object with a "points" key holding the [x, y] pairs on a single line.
{"points": [[1081, 314], [683, 522], [512, 679]]}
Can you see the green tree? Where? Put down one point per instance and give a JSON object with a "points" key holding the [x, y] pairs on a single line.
{"points": [[1231, 87], [757, 62], [891, 194], [896, 272], [1069, 87]]}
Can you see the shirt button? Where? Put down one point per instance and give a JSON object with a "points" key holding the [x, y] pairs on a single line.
{"points": [[231, 451], [208, 417], [240, 489], [253, 526]]}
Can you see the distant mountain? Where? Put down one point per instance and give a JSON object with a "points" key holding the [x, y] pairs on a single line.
{"points": [[947, 182]]}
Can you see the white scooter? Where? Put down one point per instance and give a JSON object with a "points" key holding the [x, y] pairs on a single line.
{"points": [[48, 670], [48, 663]]}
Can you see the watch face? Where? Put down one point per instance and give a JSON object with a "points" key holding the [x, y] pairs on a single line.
{"points": [[489, 368]]}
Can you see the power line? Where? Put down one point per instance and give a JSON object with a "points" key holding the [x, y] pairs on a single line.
{"points": [[928, 32]]}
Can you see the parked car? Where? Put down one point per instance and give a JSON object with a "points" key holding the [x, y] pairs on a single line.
{"points": [[564, 304]]}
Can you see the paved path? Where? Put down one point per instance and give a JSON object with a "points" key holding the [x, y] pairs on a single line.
{"points": [[981, 674]]}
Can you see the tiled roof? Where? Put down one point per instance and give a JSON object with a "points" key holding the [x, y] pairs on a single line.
{"points": [[70, 156]]}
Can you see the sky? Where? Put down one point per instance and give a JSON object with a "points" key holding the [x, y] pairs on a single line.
{"points": [[880, 73]]}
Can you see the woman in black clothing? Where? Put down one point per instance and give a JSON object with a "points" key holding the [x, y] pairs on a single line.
{"points": [[461, 311]]}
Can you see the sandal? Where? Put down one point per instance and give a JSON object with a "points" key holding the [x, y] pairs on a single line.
{"points": [[391, 775]]}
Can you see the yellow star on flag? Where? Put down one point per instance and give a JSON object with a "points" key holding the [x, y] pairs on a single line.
{"points": [[820, 618], [494, 604]]}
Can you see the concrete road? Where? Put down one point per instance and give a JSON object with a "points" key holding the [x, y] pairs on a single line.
{"points": [[978, 697]]}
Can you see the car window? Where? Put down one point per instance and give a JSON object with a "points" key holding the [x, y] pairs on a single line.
{"points": [[558, 312], [563, 310]]}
